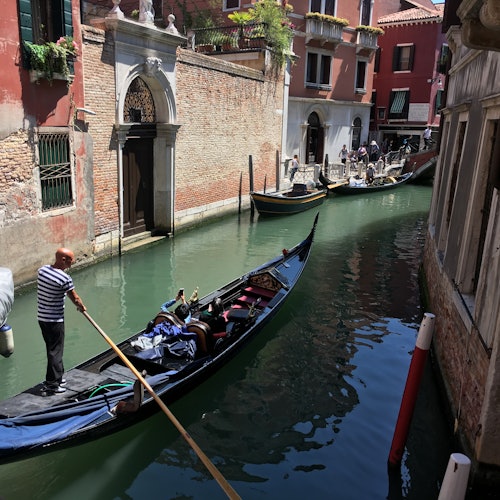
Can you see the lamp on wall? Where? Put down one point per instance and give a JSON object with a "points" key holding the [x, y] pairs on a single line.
{"points": [[86, 110]]}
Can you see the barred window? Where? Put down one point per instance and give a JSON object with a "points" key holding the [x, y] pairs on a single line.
{"points": [[55, 170]]}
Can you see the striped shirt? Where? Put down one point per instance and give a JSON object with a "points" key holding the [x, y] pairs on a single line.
{"points": [[53, 284]]}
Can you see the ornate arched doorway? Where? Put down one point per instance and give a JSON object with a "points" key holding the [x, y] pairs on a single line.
{"points": [[315, 141], [138, 160]]}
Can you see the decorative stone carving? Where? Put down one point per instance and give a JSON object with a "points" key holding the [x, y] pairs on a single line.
{"points": [[490, 15], [171, 28], [146, 11], [116, 12], [152, 65]]}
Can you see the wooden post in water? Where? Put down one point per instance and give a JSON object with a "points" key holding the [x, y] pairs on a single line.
{"points": [[278, 171], [455, 480], [326, 172], [239, 193], [250, 176], [415, 373]]}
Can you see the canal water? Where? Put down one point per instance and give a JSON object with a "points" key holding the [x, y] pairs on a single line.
{"points": [[307, 410]]}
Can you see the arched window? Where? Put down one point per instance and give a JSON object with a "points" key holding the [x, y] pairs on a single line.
{"points": [[139, 106], [356, 133]]}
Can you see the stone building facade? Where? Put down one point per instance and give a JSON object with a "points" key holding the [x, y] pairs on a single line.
{"points": [[462, 259], [159, 139]]}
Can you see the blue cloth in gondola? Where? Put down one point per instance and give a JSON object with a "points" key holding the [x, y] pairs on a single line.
{"points": [[166, 337]]}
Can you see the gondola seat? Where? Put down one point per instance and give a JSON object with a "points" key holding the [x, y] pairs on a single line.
{"points": [[194, 326]]}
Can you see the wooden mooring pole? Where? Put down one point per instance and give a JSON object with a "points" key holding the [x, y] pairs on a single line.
{"points": [[250, 176]]}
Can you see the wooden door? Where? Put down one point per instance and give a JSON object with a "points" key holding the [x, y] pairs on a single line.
{"points": [[138, 201]]}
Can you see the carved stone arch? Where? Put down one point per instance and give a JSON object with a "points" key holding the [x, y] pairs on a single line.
{"points": [[159, 86], [147, 148]]}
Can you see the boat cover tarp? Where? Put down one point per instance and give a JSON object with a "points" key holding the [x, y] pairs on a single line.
{"points": [[6, 293], [56, 423]]}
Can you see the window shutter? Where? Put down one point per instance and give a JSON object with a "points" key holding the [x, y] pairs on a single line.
{"points": [[406, 107], [25, 20], [67, 18], [395, 58], [412, 56]]}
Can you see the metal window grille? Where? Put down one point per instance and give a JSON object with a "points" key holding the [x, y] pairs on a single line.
{"points": [[55, 170]]}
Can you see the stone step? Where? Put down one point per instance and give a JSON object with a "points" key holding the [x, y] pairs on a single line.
{"points": [[140, 240]]}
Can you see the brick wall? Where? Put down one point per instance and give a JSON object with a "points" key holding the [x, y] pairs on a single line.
{"points": [[227, 112], [99, 81], [462, 359], [17, 161]]}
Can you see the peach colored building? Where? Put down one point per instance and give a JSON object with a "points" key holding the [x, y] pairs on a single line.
{"points": [[329, 84]]}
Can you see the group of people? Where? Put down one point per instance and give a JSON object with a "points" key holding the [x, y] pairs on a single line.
{"points": [[54, 284], [365, 153]]}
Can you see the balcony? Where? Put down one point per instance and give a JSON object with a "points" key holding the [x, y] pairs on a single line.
{"points": [[366, 42], [246, 38], [324, 31]]}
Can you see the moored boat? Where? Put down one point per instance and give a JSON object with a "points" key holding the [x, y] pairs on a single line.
{"points": [[288, 201], [359, 185], [103, 394]]}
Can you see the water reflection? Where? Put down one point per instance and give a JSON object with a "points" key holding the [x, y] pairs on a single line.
{"points": [[308, 408]]}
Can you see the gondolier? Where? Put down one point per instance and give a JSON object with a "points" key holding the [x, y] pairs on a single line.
{"points": [[103, 385], [53, 285]]}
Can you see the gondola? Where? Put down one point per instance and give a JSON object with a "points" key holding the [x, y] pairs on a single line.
{"points": [[359, 186], [289, 201], [103, 396]]}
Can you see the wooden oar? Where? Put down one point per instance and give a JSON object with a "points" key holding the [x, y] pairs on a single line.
{"points": [[228, 489], [334, 185]]}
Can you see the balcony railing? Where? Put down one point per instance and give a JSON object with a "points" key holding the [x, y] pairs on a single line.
{"points": [[323, 31], [229, 38], [367, 41]]}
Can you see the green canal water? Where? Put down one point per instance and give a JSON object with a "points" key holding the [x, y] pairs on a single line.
{"points": [[307, 410]]}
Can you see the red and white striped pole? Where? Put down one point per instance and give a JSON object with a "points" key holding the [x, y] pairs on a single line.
{"points": [[415, 373]]}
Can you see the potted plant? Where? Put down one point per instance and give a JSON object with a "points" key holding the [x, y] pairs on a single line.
{"points": [[257, 36], [278, 28], [370, 29], [52, 59], [228, 43], [241, 19]]}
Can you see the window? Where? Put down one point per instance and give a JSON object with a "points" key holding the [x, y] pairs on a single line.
{"points": [[318, 70], [45, 20], [231, 4], [439, 101], [403, 58], [323, 6], [442, 62], [55, 170], [399, 104], [381, 113], [366, 12], [361, 77]]}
